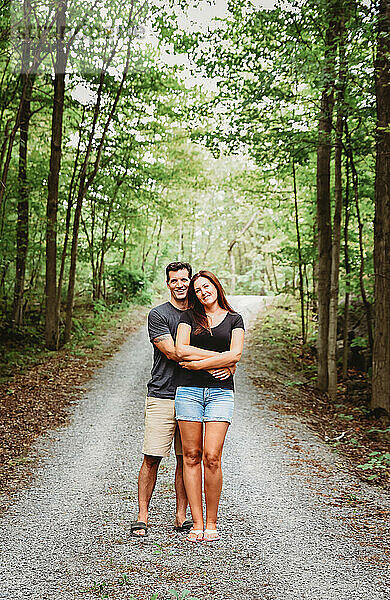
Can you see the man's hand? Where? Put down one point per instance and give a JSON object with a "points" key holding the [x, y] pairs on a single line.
{"points": [[189, 364], [221, 373]]}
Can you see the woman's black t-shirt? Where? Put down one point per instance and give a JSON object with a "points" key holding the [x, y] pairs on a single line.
{"points": [[218, 340]]}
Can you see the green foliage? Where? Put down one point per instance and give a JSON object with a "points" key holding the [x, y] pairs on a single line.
{"points": [[126, 284], [377, 460], [359, 342], [158, 194]]}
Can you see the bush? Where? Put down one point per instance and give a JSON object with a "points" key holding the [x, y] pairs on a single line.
{"points": [[126, 284]]}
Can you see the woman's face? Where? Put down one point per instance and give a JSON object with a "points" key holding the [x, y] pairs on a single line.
{"points": [[205, 291]]}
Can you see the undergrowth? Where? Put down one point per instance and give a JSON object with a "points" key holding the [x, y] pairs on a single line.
{"points": [[24, 347], [278, 362]]}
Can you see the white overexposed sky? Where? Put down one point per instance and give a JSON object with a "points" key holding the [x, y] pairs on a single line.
{"points": [[197, 18], [202, 18]]}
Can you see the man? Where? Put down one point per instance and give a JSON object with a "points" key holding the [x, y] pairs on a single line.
{"points": [[160, 424]]}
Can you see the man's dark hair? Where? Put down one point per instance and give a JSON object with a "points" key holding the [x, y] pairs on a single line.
{"points": [[176, 266]]}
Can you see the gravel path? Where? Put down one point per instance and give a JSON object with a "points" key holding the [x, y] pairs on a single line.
{"points": [[295, 526]]}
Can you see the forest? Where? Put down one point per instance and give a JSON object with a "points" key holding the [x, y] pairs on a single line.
{"points": [[246, 137]]}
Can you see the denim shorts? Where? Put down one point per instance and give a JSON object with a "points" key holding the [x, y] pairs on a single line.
{"points": [[204, 404]]}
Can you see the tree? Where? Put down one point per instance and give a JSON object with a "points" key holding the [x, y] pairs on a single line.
{"points": [[381, 354], [27, 82], [324, 236], [52, 315], [338, 205]]}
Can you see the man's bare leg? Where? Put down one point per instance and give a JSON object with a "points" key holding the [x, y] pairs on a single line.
{"points": [[146, 483], [181, 496]]}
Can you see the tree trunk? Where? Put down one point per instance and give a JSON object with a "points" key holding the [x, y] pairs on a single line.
{"points": [[355, 183], [35, 61], [323, 206], [104, 242], [315, 272], [271, 287], [23, 201], [381, 350], [72, 267], [274, 274], [52, 314], [154, 269], [5, 143], [338, 204], [124, 244], [347, 275], [300, 262], [68, 217], [232, 261], [230, 251], [86, 181]]}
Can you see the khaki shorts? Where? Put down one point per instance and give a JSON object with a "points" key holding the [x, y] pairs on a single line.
{"points": [[160, 427]]}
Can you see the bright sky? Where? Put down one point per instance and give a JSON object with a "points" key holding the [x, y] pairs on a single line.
{"points": [[201, 16]]}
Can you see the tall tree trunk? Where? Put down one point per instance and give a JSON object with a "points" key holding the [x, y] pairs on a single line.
{"points": [[52, 314], [124, 244], [338, 204], [104, 242], [68, 217], [232, 261], [35, 61], [315, 271], [300, 262], [157, 249], [347, 275], [230, 251], [87, 180], [381, 351], [274, 274], [355, 183], [5, 143], [23, 201], [268, 276], [323, 203], [145, 253]]}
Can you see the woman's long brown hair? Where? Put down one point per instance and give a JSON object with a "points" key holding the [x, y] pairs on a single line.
{"points": [[197, 308]]}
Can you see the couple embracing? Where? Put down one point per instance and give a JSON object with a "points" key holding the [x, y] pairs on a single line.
{"points": [[198, 340]]}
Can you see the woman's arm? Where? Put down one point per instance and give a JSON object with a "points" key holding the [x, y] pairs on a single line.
{"points": [[186, 352], [221, 359]]}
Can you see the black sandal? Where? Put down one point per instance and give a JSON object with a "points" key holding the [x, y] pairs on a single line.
{"points": [[138, 526], [185, 527]]}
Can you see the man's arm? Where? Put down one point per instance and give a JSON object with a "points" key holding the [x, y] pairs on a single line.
{"points": [[166, 345]]}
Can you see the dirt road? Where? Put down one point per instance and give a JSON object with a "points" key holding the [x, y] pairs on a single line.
{"points": [[295, 525]]}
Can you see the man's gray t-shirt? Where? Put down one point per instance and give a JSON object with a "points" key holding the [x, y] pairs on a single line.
{"points": [[162, 320]]}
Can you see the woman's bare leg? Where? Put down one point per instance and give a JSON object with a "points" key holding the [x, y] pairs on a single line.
{"points": [[215, 433], [192, 441]]}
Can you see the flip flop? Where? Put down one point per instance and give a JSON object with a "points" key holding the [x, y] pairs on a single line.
{"points": [[138, 526], [196, 532], [184, 527], [211, 535]]}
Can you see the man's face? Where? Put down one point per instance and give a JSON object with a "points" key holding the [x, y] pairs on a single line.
{"points": [[178, 283]]}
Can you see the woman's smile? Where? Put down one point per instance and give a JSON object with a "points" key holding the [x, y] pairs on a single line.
{"points": [[205, 291]]}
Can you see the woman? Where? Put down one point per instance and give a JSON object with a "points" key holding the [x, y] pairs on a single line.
{"points": [[210, 335]]}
